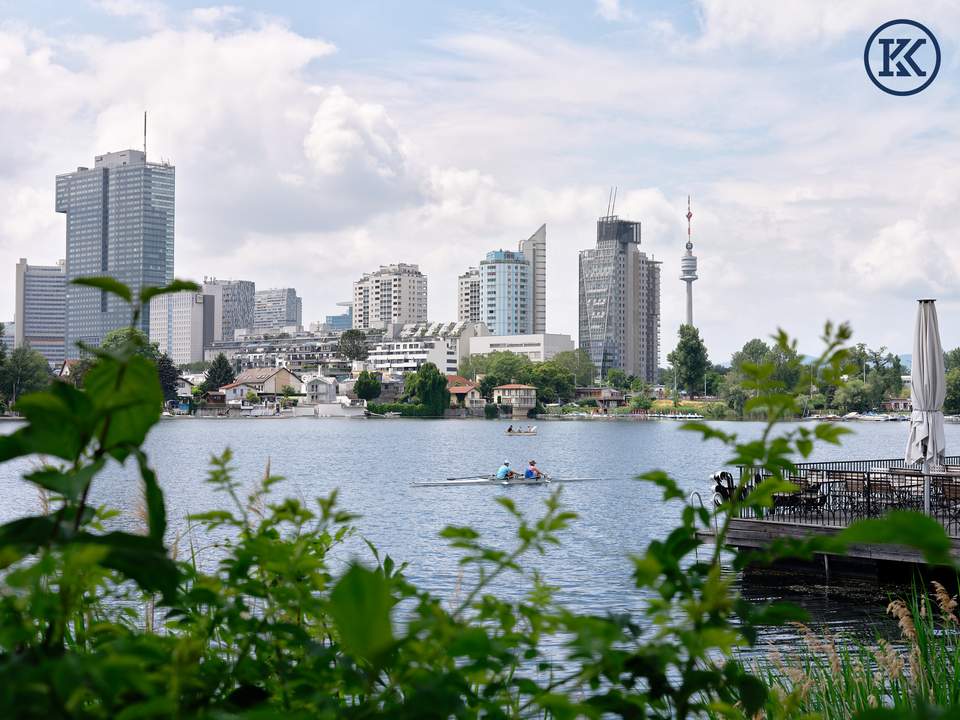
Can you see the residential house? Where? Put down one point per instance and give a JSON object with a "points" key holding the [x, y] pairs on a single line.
{"points": [[465, 394], [520, 398], [897, 405], [236, 392], [321, 391], [269, 382], [607, 398]]}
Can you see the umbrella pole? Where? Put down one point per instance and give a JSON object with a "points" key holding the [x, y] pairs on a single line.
{"points": [[926, 486]]}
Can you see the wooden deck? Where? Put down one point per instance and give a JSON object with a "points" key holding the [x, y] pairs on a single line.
{"points": [[754, 534]]}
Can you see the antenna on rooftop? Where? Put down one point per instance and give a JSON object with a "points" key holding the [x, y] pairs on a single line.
{"points": [[613, 208], [144, 134], [609, 199]]}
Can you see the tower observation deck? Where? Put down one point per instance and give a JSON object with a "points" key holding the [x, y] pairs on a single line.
{"points": [[688, 267]]}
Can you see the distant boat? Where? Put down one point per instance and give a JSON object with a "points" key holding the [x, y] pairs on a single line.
{"points": [[527, 431]]}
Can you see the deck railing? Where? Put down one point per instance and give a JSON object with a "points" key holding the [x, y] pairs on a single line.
{"points": [[837, 493]]}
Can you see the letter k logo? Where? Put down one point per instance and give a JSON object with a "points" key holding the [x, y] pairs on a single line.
{"points": [[891, 53]]}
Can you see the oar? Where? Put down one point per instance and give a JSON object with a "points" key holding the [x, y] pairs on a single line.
{"points": [[470, 477]]}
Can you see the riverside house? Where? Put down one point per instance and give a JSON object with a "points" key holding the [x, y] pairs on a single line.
{"points": [[521, 399]]}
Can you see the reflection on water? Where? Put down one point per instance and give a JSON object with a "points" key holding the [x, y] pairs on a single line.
{"points": [[373, 462]]}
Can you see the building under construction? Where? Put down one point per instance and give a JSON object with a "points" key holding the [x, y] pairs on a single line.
{"points": [[620, 301]]}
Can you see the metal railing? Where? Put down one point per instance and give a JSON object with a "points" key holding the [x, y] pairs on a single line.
{"points": [[837, 493]]}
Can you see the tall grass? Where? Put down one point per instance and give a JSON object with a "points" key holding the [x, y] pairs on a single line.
{"points": [[838, 680]]}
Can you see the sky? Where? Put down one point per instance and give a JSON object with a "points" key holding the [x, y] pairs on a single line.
{"points": [[314, 141]]}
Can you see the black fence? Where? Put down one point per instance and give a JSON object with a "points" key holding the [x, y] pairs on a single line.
{"points": [[835, 494]]}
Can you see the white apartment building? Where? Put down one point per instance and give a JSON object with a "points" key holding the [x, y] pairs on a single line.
{"points": [[275, 309], [181, 324], [468, 296], [392, 294], [405, 348], [538, 347]]}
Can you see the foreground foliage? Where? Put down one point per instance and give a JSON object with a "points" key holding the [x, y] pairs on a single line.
{"points": [[98, 622]]}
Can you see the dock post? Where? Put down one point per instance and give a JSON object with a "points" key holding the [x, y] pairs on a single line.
{"points": [[926, 487]]}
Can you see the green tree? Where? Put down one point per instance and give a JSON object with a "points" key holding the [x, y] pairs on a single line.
{"points": [[168, 374], [488, 383], [951, 359], [353, 345], [753, 351], [553, 381], [129, 337], [428, 386], [579, 364], [219, 374], [853, 396], [251, 397], [3, 346], [195, 367], [690, 360], [507, 365], [951, 403], [367, 386], [617, 378], [641, 401], [24, 371]]}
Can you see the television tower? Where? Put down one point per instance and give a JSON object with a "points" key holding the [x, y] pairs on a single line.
{"points": [[688, 267]]}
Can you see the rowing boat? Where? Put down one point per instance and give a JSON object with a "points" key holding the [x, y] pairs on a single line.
{"points": [[491, 480], [531, 431]]}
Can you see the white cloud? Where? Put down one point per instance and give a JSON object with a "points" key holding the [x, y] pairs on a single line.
{"points": [[612, 10], [151, 14]]}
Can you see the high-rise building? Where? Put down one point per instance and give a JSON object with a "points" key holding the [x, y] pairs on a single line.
{"points": [[392, 294], [277, 308], [505, 293], [620, 301], [688, 267], [9, 332], [468, 296], [234, 302], [534, 249], [120, 222], [182, 324], [41, 309], [343, 321]]}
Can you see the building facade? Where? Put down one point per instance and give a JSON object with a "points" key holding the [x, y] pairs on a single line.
{"points": [[534, 249], [404, 348], [392, 294], [41, 310], [538, 347], [182, 325], [468, 296], [521, 399], [341, 322], [620, 301], [233, 306], [276, 309], [120, 224], [505, 293], [307, 351]]}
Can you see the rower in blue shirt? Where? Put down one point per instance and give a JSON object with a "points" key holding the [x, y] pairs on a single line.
{"points": [[505, 473], [533, 472]]}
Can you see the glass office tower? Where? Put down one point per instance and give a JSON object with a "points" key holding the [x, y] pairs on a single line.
{"points": [[120, 221]]}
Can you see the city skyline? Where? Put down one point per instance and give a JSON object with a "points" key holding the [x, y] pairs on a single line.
{"points": [[458, 135]]}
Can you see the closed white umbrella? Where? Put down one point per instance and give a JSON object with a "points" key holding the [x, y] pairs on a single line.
{"points": [[928, 388]]}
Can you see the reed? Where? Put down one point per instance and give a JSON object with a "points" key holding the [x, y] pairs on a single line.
{"points": [[835, 679]]}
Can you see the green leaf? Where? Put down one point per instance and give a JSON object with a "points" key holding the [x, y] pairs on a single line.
{"points": [[156, 512], [24, 536], [138, 558], [61, 422], [108, 284], [69, 483], [360, 606], [176, 286], [130, 394], [753, 693], [904, 527]]}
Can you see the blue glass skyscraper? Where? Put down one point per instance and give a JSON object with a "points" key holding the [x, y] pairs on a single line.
{"points": [[120, 221]]}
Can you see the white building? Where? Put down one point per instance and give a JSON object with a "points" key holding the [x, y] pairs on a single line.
{"points": [[468, 296], [276, 308], [181, 324], [534, 249], [41, 310], [505, 285], [538, 347], [405, 348], [392, 294], [321, 390]]}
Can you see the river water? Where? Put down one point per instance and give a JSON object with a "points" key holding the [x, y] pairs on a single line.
{"points": [[372, 463]]}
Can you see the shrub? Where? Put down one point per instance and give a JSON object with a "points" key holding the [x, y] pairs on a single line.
{"points": [[405, 409], [491, 411]]}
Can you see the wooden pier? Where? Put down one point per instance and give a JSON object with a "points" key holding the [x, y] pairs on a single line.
{"points": [[832, 495]]}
